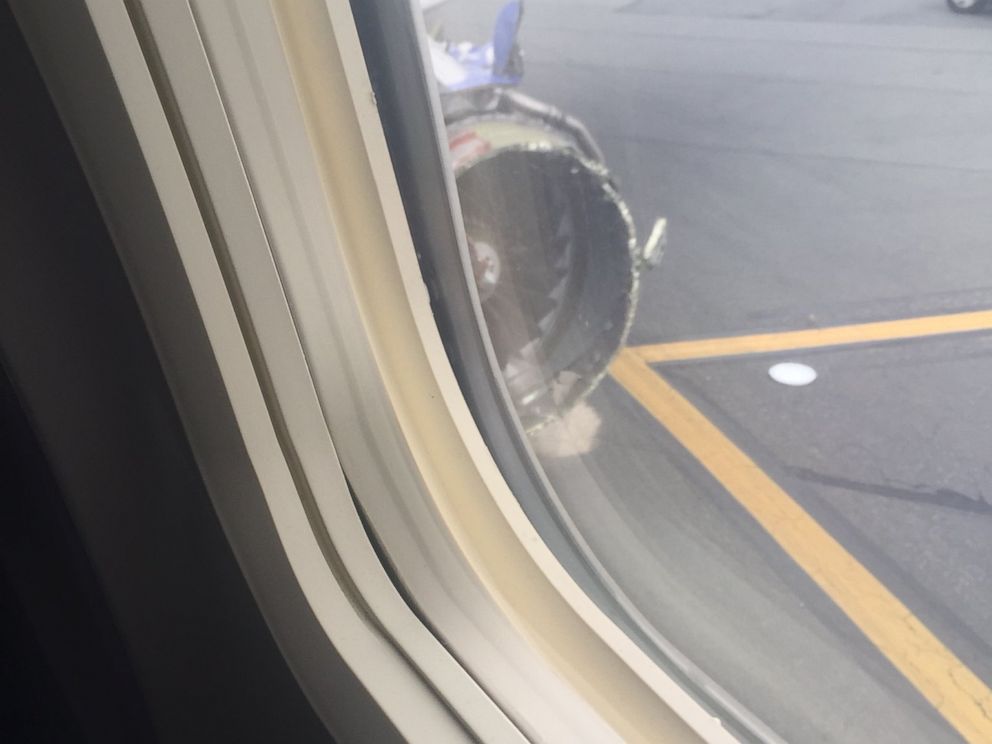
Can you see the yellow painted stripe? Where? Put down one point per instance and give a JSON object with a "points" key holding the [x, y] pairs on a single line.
{"points": [[858, 333], [953, 689]]}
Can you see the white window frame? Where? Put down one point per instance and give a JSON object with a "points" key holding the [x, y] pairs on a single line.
{"points": [[259, 127]]}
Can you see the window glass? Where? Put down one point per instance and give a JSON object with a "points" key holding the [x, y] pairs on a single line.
{"points": [[734, 260]]}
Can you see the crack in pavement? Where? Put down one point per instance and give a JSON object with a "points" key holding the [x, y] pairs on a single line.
{"points": [[945, 497]]}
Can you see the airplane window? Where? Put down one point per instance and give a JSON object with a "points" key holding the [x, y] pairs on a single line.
{"points": [[733, 260]]}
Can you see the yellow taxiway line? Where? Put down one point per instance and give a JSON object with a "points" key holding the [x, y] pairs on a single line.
{"points": [[858, 333], [951, 687]]}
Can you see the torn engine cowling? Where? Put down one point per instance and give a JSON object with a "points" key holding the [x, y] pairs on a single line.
{"points": [[552, 245]]}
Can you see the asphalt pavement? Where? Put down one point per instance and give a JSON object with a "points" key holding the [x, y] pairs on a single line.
{"points": [[821, 162]]}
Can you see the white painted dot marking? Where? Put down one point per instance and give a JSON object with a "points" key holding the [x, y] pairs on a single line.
{"points": [[792, 373]]}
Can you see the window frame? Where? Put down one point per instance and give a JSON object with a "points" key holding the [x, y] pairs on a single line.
{"points": [[280, 196]]}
